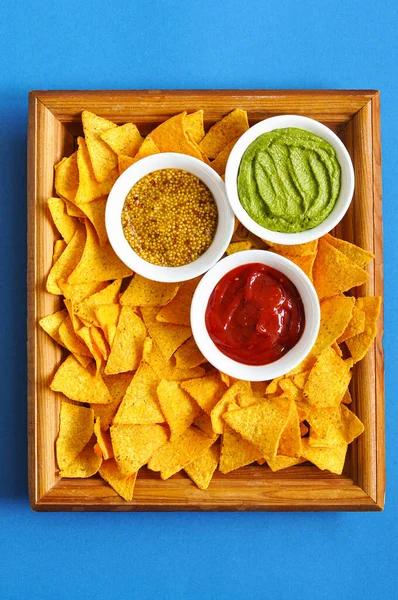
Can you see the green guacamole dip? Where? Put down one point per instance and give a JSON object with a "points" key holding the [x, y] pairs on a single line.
{"points": [[289, 180]]}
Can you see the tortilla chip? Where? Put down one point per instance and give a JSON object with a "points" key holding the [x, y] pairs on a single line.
{"points": [[95, 212], [171, 136], [328, 380], [290, 440], [358, 255], [125, 139], [59, 247], [347, 398], [133, 445], [124, 486], [103, 440], [295, 250], [147, 148], [73, 210], [305, 263], [220, 162], [166, 369], [81, 291], [100, 341], [126, 351], [238, 247], [188, 355], [291, 390], [283, 462], [239, 387], [97, 263], [203, 422], [124, 162], [360, 344], [236, 452], [202, 469], [89, 188], [352, 426], [178, 407], [71, 341], [107, 316], [334, 272], [76, 426], [331, 459], [225, 131], [144, 292], [194, 126], [178, 309], [80, 384], [166, 337], [66, 179], [67, 262], [301, 379], [85, 334], [335, 315], [52, 323], [273, 386], [177, 454], [117, 386], [355, 326], [86, 308], [262, 423], [207, 391], [65, 224], [140, 405], [103, 159], [320, 419], [86, 464]]}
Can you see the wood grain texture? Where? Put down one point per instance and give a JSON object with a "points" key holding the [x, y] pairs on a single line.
{"points": [[54, 121]]}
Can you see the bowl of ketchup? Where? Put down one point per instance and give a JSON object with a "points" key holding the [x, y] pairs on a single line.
{"points": [[255, 315]]}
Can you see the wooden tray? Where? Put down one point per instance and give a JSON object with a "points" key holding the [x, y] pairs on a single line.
{"points": [[54, 123]]}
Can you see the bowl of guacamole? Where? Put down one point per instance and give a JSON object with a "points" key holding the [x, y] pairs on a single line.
{"points": [[289, 179]]}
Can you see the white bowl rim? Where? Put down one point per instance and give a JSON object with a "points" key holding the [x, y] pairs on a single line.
{"points": [[294, 356], [347, 179], [123, 185]]}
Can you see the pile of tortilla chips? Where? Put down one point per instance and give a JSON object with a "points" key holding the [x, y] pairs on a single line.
{"points": [[135, 388]]}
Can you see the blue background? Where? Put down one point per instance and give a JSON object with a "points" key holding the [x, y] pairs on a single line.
{"points": [[196, 44]]}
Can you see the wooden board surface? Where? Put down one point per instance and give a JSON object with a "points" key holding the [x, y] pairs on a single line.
{"points": [[54, 122]]}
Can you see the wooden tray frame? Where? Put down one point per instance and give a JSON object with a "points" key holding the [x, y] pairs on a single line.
{"points": [[54, 123]]}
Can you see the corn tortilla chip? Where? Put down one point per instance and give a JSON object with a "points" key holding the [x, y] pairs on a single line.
{"points": [[283, 462], [140, 405], [85, 334], [220, 162], [331, 459], [171, 136], [328, 380], [100, 341], [95, 212], [52, 323], [188, 355], [117, 386], [290, 440], [107, 316], [124, 162], [236, 452], [126, 351], [144, 292], [335, 315], [296, 249], [239, 387], [86, 464], [81, 291], [358, 255], [79, 383], [203, 422], [178, 407], [65, 224], [133, 445], [86, 308], [207, 391], [238, 247], [225, 131], [202, 469], [59, 247], [352, 426], [103, 158], [71, 341], [178, 309], [89, 188], [355, 326], [166, 337], [360, 344], [76, 426], [320, 419], [103, 440], [67, 262], [166, 368], [124, 486], [193, 124], [125, 139], [66, 179]]}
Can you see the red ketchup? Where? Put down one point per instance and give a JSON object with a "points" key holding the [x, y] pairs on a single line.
{"points": [[255, 314]]}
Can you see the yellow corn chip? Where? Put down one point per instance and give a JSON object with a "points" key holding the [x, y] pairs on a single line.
{"points": [[335, 315], [166, 337], [296, 249], [202, 469], [80, 291], [124, 162], [178, 407], [66, 180], [124, 486], [125, 140], [301, 379], [100, 341], [347, 398], [358, 255], [290, 440], [144, 292], [352, 427], [103, 159], [133, 445], [103, 440], [86, 308], [291, 390], [236, 452], [193, 124], [86, 464], [238, 247], [207, 391], [95, 212], [140, 405], [328, 380], [107, 316], [79, 383], [177, 454], [76, 426], [59, 247], [89, 188], [117, 386], [188, 355], [283, 462], [66, 263], [220, 162], [166, 368], [73, 210], [355, 326], [331, 459], [320, 419], [147, 148], [360, 344], [52, 323], [178, 309], [70, 340], [258, 388], [231, 127], [65, 224], [126, 351], [239, 387], [96, 263], [203, 422], [334, 272], [262, 423], [306, 263], [85, 334], [171, 136], [273, 386]]}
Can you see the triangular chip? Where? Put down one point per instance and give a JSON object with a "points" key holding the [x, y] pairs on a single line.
{"points": [[203, 422], [147, 148], [66, 179], [202, 469], [355, 326], [238, 247], [332, 459], [124, 162], [103, 158], [236, 452], [166, 337], [133, 445], [79, 383], [52, 323], [171, 136], [144, 292], [97, 263], [123, 485], [177, 454], [126, 351], [239, 387], [334, 272], [76, 426], [177, 311], [188, 355], [328, 380], [319, 419], [194, 126], [117, 386], [77, 293], [178, 407], [360, 344], [71, 341], [103, 440], [65, 224], [207, 391], [295, 250], [140, 405], [290, 440], [86, 464], [231, 127], [125, 140], [67, 262], [335, 315], [86, 308], [85, 334], [95, 212], [167, 369], [100, 341], [358, 255], [107, 316], [220, 162], [89, 188], [283, 462], [59, 247], [352, 427]]}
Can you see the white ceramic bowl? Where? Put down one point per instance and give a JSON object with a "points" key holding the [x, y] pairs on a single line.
{"points": [[347, 179], [294, 356], [114, 207]]}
